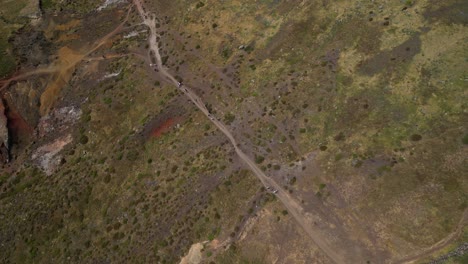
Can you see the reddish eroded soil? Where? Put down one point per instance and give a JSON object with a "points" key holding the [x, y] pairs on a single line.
{"points": [[18, 128], [70, 54], [167, 119], [164, 127]]}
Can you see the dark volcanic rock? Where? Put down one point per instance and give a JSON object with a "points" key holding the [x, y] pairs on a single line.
{"points": [[31, 47]]}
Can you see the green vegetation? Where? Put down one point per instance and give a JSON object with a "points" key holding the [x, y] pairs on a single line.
{"points": [[229, 118], [362, 97], [7, 61], [200, 4], [465, 139], [47, 4], [259, 159], [84, 139]]}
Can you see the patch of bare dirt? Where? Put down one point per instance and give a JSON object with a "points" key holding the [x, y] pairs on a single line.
{"points": [[194, 256], [166, 126], [47, 157], [274, 238], [166, 120], [65, 65], [58, 120], [54, 26]]}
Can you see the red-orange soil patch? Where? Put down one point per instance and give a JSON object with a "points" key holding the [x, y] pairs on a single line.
{"points": [[163, 128], [18, 128]]}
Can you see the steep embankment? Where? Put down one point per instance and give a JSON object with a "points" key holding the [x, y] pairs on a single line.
{"points": [[3, 134]]}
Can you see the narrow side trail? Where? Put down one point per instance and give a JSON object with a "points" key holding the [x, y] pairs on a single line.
{"points": [[339, 249], [441, 244], [62, 69]]}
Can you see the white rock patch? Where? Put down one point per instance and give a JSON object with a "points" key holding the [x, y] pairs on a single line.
{"points": [[110, 75], [108, 3], [58, 120], [47, 155], [134, 34]]}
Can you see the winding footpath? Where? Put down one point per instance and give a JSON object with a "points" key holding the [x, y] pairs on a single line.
{"points": [[293, 207], [339, 248], [59, 68], [439, 245]]}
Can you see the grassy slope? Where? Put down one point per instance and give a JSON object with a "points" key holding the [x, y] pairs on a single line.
{"points": [[378, 88], [391, 134], [9, 23]]}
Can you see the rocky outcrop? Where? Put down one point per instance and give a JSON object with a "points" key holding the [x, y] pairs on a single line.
{"points": [[31, 47], [58, 120], [47, 156], [4, 155], [52, 128], [460, 251], [194, 256], [108, 3]]}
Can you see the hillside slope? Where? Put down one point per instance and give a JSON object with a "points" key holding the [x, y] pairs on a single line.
{"points": [[301, 131]]}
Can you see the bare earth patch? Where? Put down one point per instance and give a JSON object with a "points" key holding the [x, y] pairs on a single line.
{"points": [[47, 156], [194, 256]]}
